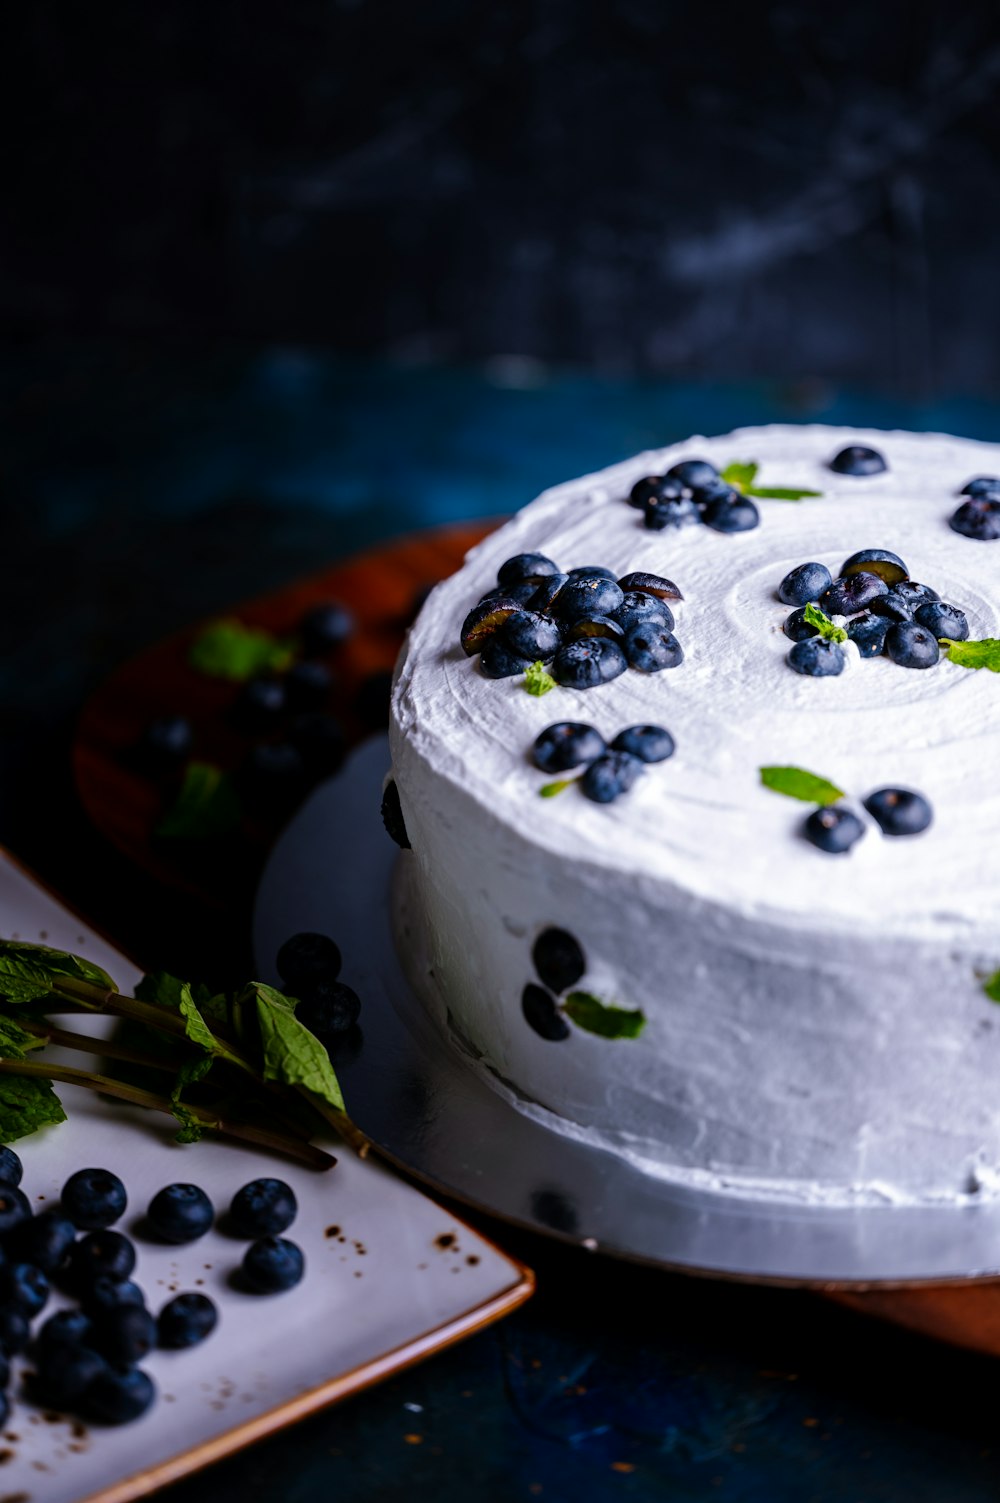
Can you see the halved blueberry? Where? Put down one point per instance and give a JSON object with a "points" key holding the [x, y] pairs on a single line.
{"points": [[678, 511], [542, 1014], [565, 745], [804, 583], [308, 957], [731, 512], [899, 811], [484, 621], [869, 632], [982, 485], [915, 593], [833, 829], [525, 566], [595, 626], [587, 596], [650, 584], [610, 776], [797, 627], [943, 620], [588, 662], [543, 596], [858, 459], [911, 645], [696, 474], [978, 518], [647, 610], [894, 606], [846, 596], [650, 743], [650, 649], [817, 658], [529, 634], [558, 959], [888, 566], [497, 660], [654, 488]]}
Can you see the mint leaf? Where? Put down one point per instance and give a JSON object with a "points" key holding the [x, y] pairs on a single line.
{"points": [[230, 650], [795, 782], [551, 790], [982, 654], [594, 1016], [740, 474], [193, 1070], [780, 492], [823, 624], [206, 805], [291, 1054], [30, 972], [15, 1041], [992, 987], [537, 681], [26, 1105], [166, 991]]}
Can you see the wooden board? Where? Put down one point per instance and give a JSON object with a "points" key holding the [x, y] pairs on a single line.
{"points": [[380, 587]]}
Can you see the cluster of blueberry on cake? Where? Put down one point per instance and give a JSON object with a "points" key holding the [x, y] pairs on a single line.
{"points": [[586, 624], [608, 771]]}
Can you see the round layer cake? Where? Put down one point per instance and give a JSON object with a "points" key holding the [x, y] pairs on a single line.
{"points": [[747, 1011]]}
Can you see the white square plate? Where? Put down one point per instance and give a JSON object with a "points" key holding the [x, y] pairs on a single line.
{"points": [[390, 1277]]}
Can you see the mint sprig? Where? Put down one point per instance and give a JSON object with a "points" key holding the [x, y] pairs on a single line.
{"points": [[228, 649], [796, 782], [982, 654], [594, 1016], [742, 473], [537, 680], [823, 624]]}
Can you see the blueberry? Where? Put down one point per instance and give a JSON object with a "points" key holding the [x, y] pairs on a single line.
{"points": [[653, 488], [978, 518], [595, 626], [696, 474], [943, 620], [598, 570], [319, 741], [392, 816], [517, 594], [15, 1329], [529, 634], [558, 959], [858, 459], [646, 610], [166, 742], [263, 1208], [588, 662], [497, 661], [797, 627], [650, 649], [731, 512], [14, 1208], [679, 511], [125, 1334], [24, 1286], [650, 584], [566, 744], [11, 1168], [869, 632], [804, 583], [180, 1213], [187, 1320], [587, 596], [846, 596], [325, 627], [116, 1397], [259, 704], [273, 1264], [65, 1376], [894, 607], [911, 645], [888, 566], [817, 658], [899, 811], [327, 1009], [915, 593], [526, 566], [650, 743], [833, 829], [64, 1328], [106, 1293], [308, 685], [272, 773], [541, 1013], [610, 776], [101, 1253], [44, 1240], [983, 485], [308, 957], [544, 596]]}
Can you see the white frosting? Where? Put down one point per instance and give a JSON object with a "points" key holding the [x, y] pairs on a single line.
{"points": [[814, 1022]]}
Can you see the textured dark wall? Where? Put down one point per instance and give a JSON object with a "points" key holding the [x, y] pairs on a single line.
{"points": [[686, 188]]}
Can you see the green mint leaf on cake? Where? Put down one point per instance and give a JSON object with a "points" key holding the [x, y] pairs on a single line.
{"points": [[740, 474], [206, 805], [796, 782], [823, 624], [537, 681], [291, 1054], [230, 650], [992, 987], [982, 654], [779, 492], [552, 790], [594, 1016], [30, 972]]}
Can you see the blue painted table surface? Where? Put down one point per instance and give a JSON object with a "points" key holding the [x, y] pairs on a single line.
{"points": [[144, 488]]}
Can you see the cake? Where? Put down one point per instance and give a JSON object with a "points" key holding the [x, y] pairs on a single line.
{"points": [[733, 1006]]}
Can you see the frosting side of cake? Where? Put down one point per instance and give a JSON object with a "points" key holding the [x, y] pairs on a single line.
{"points": [[812, 1021]]}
